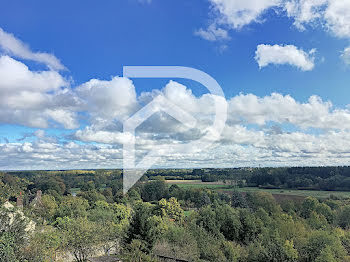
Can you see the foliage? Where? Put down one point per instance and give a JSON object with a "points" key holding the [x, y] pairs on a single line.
{"points": [[150, 220], [80, 236]]}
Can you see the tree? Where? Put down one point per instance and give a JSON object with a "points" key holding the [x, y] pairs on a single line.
{"points": [[344, 217], [326, 255], [111, 221], [204, 199], [145, 226], [13, 234], [238, 200], [155, 191], [220, 219], [73, 207], [135, 252], [92, 196], [179, 243], [51, 183], [264, 200], [80, 235], [251, 226], [44, 245], [309, 205], [170, 209], [320, 240], [272, 249], [7, 248], [48, 208]]}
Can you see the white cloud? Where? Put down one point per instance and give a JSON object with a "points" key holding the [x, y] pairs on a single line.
{"points": [[320, 132], [305, 11], [213, 33], [281, 109], [108, 99], [337, 17], [287, 54], [31, 98], [346, 55], [16, 76], [100, 136], [238, 13], [15, 47], [332, 15]]}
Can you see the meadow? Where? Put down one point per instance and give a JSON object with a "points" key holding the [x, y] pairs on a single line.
{"points": [[221, 187]]}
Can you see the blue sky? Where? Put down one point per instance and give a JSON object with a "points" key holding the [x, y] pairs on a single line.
{"points": [[94, 40]]}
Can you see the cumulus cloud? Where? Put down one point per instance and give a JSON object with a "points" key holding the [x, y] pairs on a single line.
{"points": [[238, 13], [284, 54], [337, 17], [30, 97], [13, 46], [213, 33], [305, 11], [345, 55], [332, 15], [320, 133], [108, 99], [243, 145], [101, 136], [277, 108]]}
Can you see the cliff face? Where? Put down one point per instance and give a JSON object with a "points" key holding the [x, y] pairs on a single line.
{"points": [[14, 212]]}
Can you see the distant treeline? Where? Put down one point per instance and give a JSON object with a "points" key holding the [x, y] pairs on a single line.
{"points": [[314, 178], [310, 178]]}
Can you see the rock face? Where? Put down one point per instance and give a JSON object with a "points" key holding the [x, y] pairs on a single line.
{"points": [[13, 212]]}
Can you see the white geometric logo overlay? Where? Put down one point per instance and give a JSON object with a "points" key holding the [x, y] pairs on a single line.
{"points": [[132, 172]]}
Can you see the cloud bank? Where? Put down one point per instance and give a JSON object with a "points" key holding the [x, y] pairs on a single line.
{"points": [[272, 130]]}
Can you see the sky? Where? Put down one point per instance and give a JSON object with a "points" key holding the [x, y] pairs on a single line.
{"points": [[283, 65]]}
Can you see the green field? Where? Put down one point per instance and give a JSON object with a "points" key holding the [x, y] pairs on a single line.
{"points": [[226, 188], [210, 186], [75, 190], [291, 192]]}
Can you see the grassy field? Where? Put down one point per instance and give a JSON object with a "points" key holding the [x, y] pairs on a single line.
{"points": [[219, 186], [197, 184], [75, 190], [301, 193]]}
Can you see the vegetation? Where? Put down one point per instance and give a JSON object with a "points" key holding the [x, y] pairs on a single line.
{"points": [[221, 221]]}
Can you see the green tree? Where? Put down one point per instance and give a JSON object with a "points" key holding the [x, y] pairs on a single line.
{"points": [[309, 205], [320, 240], [179, 243], [155, 191], [344, 217], [170, 209], [263, 200], [73, 207], [135, 252], [13, 234], [92, 196], [48, 208], [80, 236]]}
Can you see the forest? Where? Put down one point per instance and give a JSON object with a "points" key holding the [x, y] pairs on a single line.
{"points": [[56, 215]]}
